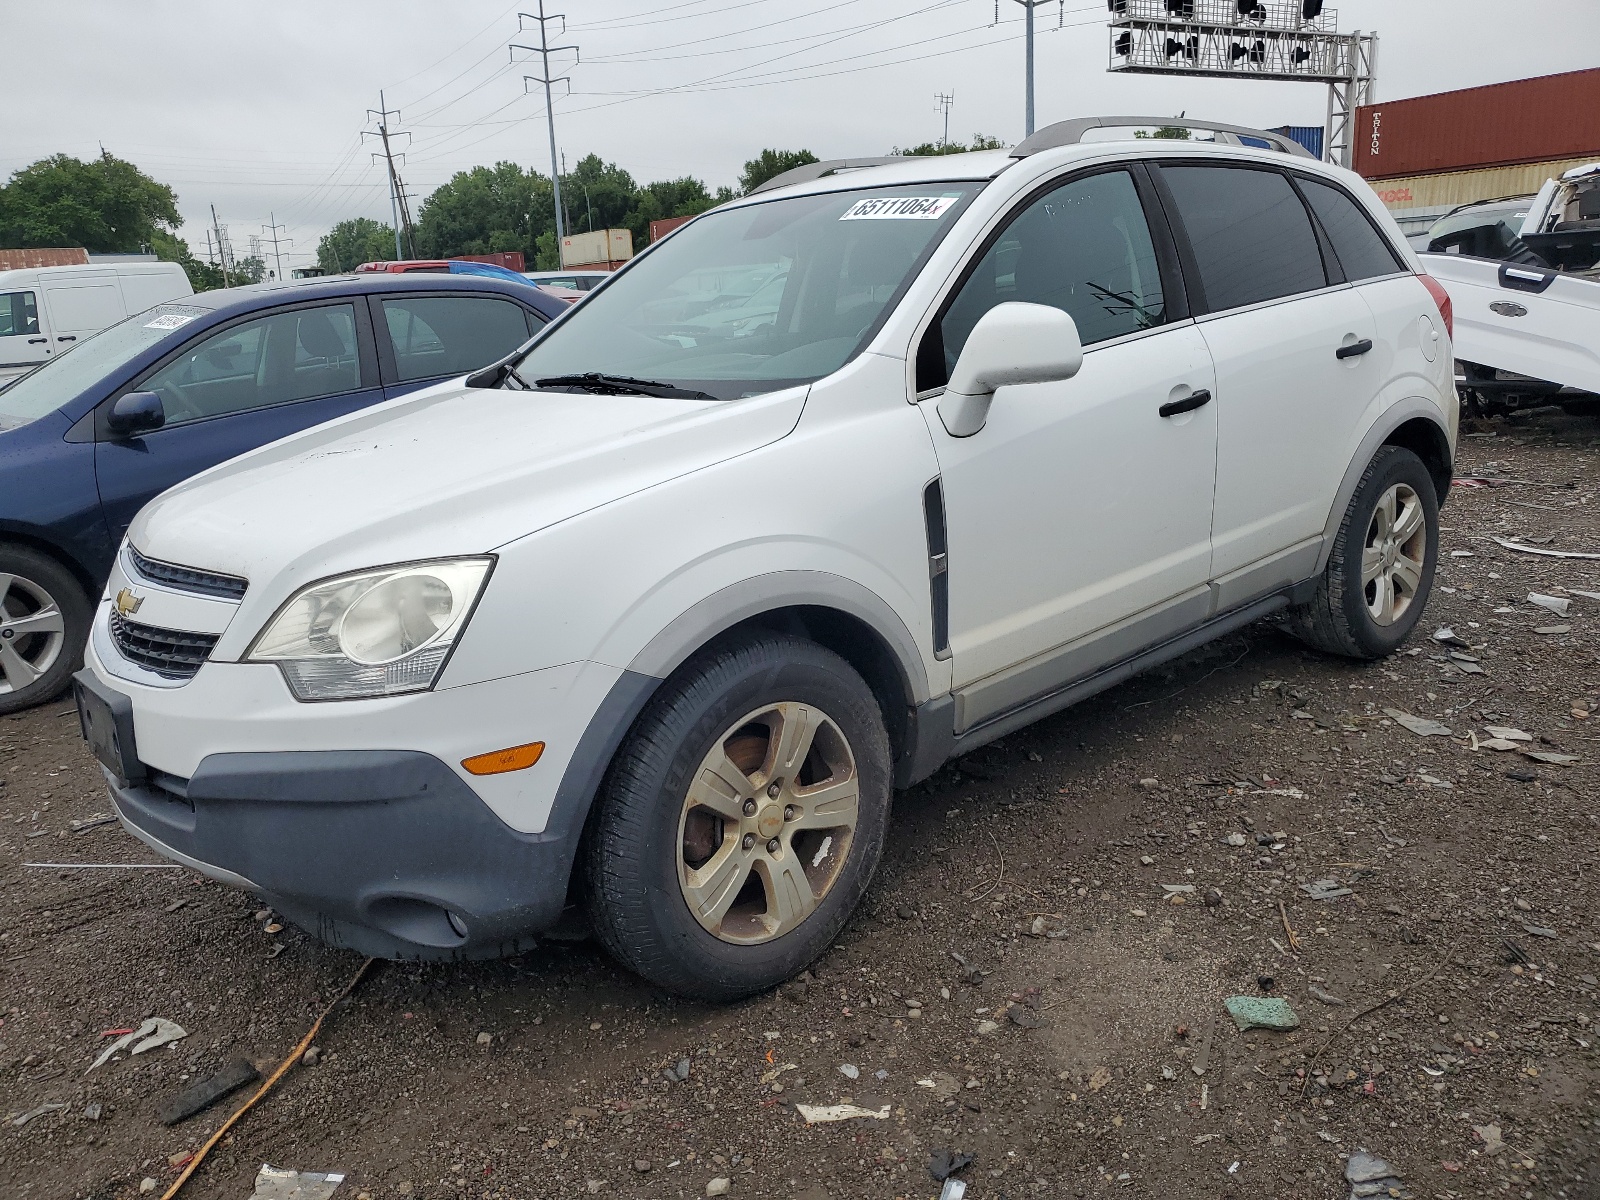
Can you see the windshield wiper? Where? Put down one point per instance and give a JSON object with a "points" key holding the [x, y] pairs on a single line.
{"points": [[621, 385]]}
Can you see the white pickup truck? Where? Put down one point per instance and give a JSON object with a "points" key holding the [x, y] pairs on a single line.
{"points": [[1523, 277]]}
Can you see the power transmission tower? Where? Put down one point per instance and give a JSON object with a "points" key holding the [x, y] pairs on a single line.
{"points": [[222, 255], [381, 114], [945, 101], [274, 229], [544, 50]]}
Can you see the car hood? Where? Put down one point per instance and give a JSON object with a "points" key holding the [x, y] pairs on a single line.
{"points": [[448, 471]]}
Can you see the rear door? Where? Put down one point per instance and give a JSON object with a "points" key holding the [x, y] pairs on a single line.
{"points": [[233, 389], [24, 340], [81, 305], [427, 338], [1294, 370]]}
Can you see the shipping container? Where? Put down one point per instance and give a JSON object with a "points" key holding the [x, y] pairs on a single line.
{"points": [[660, 229], [511, 260], [1309, 136], [604, 249], [1525, 121], [17, 260]]}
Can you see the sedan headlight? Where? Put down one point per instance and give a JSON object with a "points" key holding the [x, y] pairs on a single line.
{"points": [[377, 633]]}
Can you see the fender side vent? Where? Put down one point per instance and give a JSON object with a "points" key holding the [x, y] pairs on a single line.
{"points": [[938, 566]]}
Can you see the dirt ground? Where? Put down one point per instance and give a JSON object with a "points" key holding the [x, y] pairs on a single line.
{"points": [[1015, 988]]}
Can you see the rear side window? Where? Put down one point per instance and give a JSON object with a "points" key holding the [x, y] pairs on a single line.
{"points": [[1361, 250], [1251, 235], [19, 314], [451, 335]]}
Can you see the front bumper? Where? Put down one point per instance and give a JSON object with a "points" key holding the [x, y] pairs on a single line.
{"points": [[386, 852]]}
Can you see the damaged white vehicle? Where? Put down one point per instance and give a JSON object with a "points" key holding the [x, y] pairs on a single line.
{"points": [[649, 625]]}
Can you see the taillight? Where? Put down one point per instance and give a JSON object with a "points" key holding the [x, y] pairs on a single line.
{"points": [[1447, 310]]}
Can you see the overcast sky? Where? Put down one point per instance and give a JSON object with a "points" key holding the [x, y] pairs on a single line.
{"points": [[258, 108]]}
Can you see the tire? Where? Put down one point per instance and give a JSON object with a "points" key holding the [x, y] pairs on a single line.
{"points": [[714, 732], [1345, 615], [44, 623]]}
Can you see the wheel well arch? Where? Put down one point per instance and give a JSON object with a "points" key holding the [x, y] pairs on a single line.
{"points": [[1427, 441], [54, 552]]}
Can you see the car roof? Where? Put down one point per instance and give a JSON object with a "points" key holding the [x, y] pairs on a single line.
{"points": [[252, 296]]}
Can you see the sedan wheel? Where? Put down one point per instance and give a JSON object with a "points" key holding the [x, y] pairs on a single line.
{"points": [[33, 633]]}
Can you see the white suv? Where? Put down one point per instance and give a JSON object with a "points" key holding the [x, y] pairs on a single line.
{"points": [[654, 616]]}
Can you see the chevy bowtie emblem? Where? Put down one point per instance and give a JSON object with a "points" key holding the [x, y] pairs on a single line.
{"points": [[128, 603]]}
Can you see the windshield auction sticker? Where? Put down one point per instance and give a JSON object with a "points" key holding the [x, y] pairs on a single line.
{"points": [[174, 316], [900, 208]]}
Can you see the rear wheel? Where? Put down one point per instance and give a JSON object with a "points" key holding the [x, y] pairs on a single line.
{"points": [[1380, 573], [44, 622], [742, 820]]}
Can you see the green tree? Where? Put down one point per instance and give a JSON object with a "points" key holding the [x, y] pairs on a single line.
{"points": [[486, 210], [980, 141], [770, 163], [350, 243], [1171, 133], [106, 205], [204, 276]]}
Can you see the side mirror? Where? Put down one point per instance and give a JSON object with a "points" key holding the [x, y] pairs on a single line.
{"points": [[1011, 343], [136, 413]]}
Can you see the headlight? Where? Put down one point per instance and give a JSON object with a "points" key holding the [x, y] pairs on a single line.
{"points": [[376, 633]]}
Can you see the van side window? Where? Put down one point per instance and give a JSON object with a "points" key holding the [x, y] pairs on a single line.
{"points": [[1084, 248], [1251, 235], [19, 314], [298, 355], [1362, 251]]}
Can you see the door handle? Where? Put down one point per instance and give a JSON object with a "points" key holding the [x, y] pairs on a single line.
{"points": [[67, 337], [1189, 403], [1354, 349], [38, 341]]}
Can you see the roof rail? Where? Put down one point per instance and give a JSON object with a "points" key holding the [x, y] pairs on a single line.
{"points": [[816, 170], [1070, 133]]}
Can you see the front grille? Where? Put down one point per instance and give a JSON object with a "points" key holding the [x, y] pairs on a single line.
{"points": [[170, 653], [189, 579]]}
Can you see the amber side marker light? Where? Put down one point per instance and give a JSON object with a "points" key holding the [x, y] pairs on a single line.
{"points": [[497, 762]]}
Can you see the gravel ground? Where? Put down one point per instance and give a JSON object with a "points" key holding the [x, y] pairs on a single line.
{"points": [[1015, 988]]}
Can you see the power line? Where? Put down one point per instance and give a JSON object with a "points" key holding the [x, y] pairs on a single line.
{"points": [[945, 101]]}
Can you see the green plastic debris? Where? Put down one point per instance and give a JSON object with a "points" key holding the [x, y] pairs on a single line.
{"points": [[1261, 1012]]}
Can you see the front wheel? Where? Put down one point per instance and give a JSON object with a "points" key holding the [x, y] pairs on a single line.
{"points": [[742, 819], [1380, 572], [44, 622]]}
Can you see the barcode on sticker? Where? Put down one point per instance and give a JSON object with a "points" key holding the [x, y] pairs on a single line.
{"points": [[900, 208]]}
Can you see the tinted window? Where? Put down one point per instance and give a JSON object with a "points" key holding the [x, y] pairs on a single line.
{"points": [[275, 360], [19, 314], [1251, 235], [1361, 251], [1083, 248], [451, 335]]}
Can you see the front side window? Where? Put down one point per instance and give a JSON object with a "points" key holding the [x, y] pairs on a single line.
{"points": [[1084, 248], [755, 298], [451, 335], [19, 314], [300, 355], [1360, 249], [1251, 235]]}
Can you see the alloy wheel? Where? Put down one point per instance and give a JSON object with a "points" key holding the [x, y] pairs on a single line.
{"points": [[1393, 555], [33, 632], [767, 823]]}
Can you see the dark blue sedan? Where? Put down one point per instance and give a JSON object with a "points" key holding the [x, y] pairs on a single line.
{"points": [[87, 439]]}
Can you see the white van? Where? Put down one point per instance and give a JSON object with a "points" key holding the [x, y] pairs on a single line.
{"points": [[45, 311]]}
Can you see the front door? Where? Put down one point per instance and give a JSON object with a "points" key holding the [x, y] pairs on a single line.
{"points": [[232, 390], [24, 341], [1078, 507]]}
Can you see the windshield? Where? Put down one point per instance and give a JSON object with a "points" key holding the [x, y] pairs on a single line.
{"points": [[50, 385], [755, 298]]}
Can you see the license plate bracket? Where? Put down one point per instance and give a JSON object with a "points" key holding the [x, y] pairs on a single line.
{"points": [[105, 718]]}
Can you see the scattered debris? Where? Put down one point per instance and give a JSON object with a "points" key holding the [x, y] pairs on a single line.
{"points": [[823, 1114], [850, 1070], [93, 822], [1421, 726], [201, 1096], [1202, 1060], [1539, 931], [1559, 605], [943, 1163], [719, 1186], [1541, 550], [1261, 1012], [1552, 630], [1491, 1138], [1325, 889], [1507, 733], [1446, 636], [1369, 1175], [1235, 839], [1550, 756], [157, 1031], [1024, 1017], [1326, 997], [1099, 1077], [92, 1110], [680, 1072], [37, 1112], [275, 1184], [954, 1189]]}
